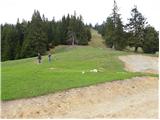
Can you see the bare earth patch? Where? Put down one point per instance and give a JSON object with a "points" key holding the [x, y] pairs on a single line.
{"points": [[140, 63], [132, 98]]}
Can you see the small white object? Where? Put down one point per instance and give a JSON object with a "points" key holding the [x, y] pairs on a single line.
{"points": [[83, 72], [51, 68], [94, 70]]}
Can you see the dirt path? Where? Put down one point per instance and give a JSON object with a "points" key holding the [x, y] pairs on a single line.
{"points": [[140, 63], [134, 98]]}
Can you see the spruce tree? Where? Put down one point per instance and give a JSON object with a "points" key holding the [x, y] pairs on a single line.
{"points": [[36, 40], [151, 40], [21, 32], [136, 27], [109, 34], [115, 16], [9, 42], [114, 34]]}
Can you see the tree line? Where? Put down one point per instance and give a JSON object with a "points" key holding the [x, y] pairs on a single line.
{"points": [[136, 33], [39, 35]]}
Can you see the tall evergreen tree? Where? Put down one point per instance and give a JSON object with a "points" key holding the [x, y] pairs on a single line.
{"points": [[115, 16], [36, 39], [114, 34], [9, 42], [151, 40], [119, 42], [136, 27], [109, 34], [21, 32]]}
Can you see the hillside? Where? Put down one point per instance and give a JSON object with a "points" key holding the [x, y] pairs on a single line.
{"points": [[71, 66], [97, 40], [76, 67]]}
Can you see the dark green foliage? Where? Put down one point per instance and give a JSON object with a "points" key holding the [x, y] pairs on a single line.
{"points": [[26, 39], [120, 39], [21, 29], [36, 39], [79, 31], [88, 33], [109, 34], [101, 28], [9, 41], [134, 35], [136, 26], [112, 30], [151, 40]]}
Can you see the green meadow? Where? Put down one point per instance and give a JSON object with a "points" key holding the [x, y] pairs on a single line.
{"points": [[70, 68]]}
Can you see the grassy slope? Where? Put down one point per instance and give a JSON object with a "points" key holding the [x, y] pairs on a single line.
{"points": [[96, 40], [25, 78]]}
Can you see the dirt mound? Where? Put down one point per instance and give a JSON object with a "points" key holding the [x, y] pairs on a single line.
{"points": [[132, 98], [140, 63]]}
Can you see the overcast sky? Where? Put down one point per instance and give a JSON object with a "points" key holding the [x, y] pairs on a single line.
{"points": [[92, 11]]}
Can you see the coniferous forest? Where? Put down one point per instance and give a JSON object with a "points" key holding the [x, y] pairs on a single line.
{"points": [[39, 35], [28, 38]]}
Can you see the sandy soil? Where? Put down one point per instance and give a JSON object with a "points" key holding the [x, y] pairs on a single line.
{"points": [[132, 98], [140, 63]]}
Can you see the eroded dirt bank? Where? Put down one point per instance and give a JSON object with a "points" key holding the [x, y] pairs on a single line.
{"points": [[132, 98]]}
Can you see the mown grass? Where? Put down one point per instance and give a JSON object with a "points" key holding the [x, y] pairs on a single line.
{"points": [[25, 78]]}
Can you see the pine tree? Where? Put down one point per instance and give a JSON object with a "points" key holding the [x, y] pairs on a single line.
{"points": [[88, 32], [119, 42], [115, 16], [20, 27], [114, 34], [151, 40], [136, 27], [109, 34], [36, 40], [9, 42]]}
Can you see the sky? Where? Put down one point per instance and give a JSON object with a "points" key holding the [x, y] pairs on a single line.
{"points": [[92, 11]]}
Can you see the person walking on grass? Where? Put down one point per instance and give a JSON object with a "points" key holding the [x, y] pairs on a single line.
{"points": [[49, 56], [39, 58]]}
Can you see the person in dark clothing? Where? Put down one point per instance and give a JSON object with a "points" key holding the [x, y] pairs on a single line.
{"points": [[49, 57], [39, 58]]}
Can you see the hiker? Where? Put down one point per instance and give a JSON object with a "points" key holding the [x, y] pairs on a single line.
{"points": [[39, 58], [49, 57]]}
